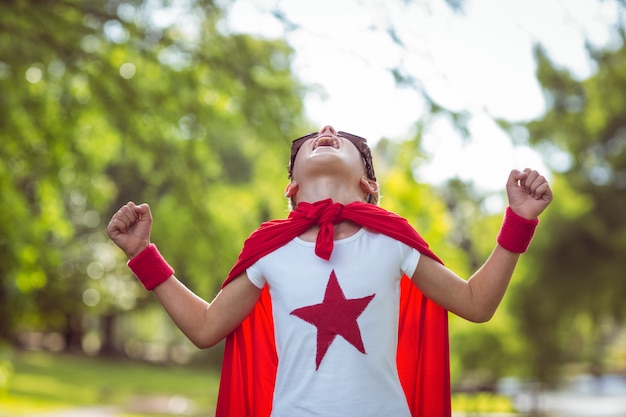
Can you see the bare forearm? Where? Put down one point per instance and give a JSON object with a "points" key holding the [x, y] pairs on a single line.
{"points": [[489, 284], [187, 310], [205, 324], [475, 299]]}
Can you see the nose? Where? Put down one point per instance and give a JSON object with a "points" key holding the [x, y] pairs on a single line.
{"points": [[328, 130]]}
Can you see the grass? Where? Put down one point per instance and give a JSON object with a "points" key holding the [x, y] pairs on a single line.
{"points": [[483, 402], [45, 382], [51, 382]]}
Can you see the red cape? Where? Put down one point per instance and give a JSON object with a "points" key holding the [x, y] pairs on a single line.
{"points": [[250, 360]]}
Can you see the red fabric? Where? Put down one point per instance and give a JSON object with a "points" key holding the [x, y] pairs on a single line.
{"points": [[516, 232], [150, 267], [250, 360]]}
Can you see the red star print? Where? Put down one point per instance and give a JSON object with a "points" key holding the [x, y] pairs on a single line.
{"points": [[336, 315]]}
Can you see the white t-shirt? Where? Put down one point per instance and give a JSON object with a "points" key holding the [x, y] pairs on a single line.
{"points": [[355, 295]]}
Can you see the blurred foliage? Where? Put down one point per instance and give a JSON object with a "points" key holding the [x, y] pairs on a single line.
{"points": [[570, 305], [565, 304], [106, 102]]}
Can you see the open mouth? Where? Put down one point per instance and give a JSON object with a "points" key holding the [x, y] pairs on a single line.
{"points": [[326, 141]]}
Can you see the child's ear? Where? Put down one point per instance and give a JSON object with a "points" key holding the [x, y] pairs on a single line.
{"points": [[368, 186], [291, 189]]}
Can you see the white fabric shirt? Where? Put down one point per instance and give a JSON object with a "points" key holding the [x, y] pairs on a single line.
{"points": [[347, 382]]}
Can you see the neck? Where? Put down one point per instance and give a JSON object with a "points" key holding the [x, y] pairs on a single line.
{"points": [[340, 192], [322, 188]]}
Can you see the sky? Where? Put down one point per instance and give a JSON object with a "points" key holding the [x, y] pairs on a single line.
{"points": [[479, 61]]}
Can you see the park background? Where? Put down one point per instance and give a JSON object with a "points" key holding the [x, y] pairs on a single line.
{"points": [[191, 105]]}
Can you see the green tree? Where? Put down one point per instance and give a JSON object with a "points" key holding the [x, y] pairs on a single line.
{"points": [[104, 104], [578, 276]]}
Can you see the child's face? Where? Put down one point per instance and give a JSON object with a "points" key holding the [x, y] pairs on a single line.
{"points": [[329, 135], [326, 154]]}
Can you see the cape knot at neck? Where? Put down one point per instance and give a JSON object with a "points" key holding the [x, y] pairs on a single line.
{"points": [[325, 212], [332, 214]]}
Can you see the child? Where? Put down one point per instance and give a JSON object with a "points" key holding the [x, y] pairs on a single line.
{"points": [[339, 265]]}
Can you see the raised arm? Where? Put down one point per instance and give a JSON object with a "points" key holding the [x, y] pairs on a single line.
{"points": [[478, 298], [205, 324]]}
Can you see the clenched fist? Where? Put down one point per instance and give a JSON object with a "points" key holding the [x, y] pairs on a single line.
{"points": [[529, 193], [130, 228]]}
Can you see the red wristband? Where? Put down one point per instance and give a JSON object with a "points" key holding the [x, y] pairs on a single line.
{"points": [[516, 232], [150, 267]]}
